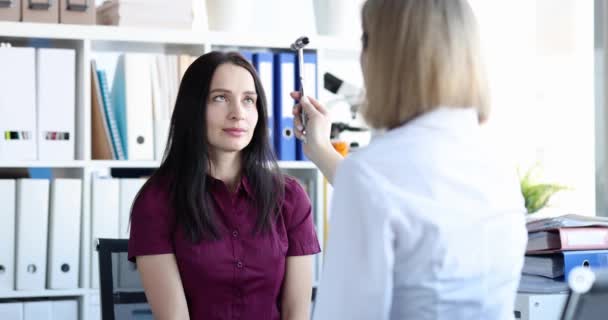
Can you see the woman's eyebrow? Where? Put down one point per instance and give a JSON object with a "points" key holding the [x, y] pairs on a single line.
{"points": [[220, 90]]}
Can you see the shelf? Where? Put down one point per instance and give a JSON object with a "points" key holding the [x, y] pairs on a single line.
{"points": [[121, 164], [168, 36], [42, 164], [99, 33], [43, 293]]}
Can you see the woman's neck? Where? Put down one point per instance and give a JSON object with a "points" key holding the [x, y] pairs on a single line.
{"points": [[226, 166]]}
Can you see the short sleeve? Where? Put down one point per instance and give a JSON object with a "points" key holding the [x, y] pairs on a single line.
{"points": [[299, 221], [152, 223]]}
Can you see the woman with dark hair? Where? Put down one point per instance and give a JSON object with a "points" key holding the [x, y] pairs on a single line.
{"points": [[218, 232]]}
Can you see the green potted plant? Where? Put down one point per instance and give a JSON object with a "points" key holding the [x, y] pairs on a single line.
{"points": [[537, 194]]}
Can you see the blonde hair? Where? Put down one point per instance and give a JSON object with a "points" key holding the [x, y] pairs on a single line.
{"points": [[420, 55]]}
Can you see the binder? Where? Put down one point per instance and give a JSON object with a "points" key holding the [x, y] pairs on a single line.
{"points": [[101, 136], [64, 310], [104, 218], [45, 11], [248, 55], [310, 89], [7, 236], [108, 106], [560, 264], [32, 231], [562, 239], [37, 310], [12, 310], [128, 190], [18, 104], [264, 64], [64, 234], [77, 11], [56, 103], [285, 141], [12, 11], [132, 97]]}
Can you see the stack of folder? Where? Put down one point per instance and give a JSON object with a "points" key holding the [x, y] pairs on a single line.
{"points": [[40, 233], [132, 111], [557, 245], [37, 103]]}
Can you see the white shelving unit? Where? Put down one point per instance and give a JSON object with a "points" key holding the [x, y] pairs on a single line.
{"points": [[89, 40]]}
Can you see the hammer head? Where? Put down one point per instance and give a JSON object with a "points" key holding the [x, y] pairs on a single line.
{"points": [[300, 43]]}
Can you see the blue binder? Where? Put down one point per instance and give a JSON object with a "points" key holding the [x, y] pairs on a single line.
{"points": [[264, 64], [310, 89], [595, 259], [247, 55], [284, 75]]}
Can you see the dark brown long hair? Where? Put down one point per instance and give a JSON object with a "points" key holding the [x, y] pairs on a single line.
{"points": [[186, 161]]}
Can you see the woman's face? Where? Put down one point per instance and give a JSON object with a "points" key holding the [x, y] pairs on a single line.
{"points": [[231, 109]]}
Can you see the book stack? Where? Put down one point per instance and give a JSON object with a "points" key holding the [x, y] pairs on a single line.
{"points": [[558, 245]]}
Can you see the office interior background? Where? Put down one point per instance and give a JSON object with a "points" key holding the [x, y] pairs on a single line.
{"points": [[545, 61]]}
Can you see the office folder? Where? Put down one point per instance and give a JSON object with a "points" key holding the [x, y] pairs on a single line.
{"points": [[17, 104], [105, 210], [110, 113], [45, 11], [56, 103], [128, 190], [11, 310], [310, 89], [64, 234], [32, 232], [132, 97], [248, 55], [101, 146], [77, 11], [264, 64], [563, 239], [7, 235], [64, 309], [285, 141], [539, 306], [37, 310], [560, 264], [11, 11]]}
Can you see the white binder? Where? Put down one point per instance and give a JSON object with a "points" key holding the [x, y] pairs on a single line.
{"points": [[32, 231], [17, 104], [105, 213], [7, 236], [13, 310], [128, 190], [64, 234], [37, 310], [56, 103], [64, 310], [132, 92]]}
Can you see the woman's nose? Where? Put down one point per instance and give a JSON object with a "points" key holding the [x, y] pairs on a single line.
{"points": [[237, 111]]}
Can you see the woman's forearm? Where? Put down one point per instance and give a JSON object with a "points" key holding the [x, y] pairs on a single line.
{"points": [[327, 161]]}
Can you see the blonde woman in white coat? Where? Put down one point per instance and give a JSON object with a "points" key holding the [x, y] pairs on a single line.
{"points": [[425, 222]]}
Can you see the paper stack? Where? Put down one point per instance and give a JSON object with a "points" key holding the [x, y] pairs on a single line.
{"points": [[175, 14]]}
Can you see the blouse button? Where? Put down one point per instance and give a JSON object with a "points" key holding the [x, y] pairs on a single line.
{"points": [[239, 264], [235, 233]]}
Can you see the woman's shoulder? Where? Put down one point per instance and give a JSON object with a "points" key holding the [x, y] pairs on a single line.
{"points": [[153, 196], [295, 194]]}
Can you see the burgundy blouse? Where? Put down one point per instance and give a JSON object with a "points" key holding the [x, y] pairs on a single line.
{"points": [[241, 275]]}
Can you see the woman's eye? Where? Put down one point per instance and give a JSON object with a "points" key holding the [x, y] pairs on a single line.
{"points": [[249, 100], [219, 98]]}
